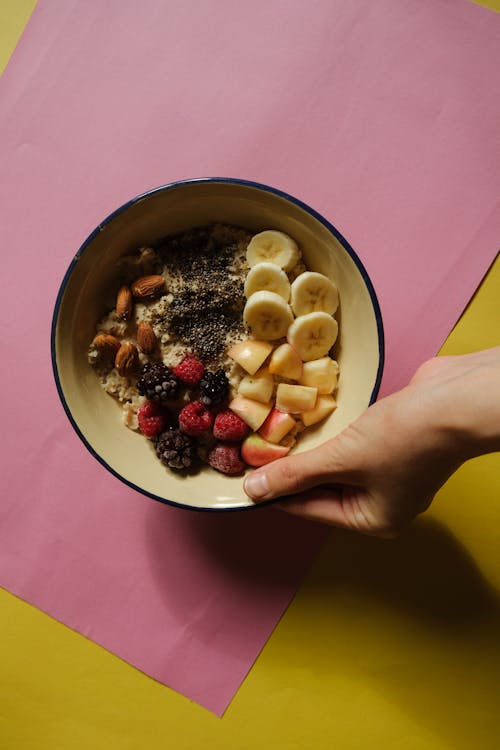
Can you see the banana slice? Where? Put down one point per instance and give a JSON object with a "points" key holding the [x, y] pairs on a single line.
{"points": [[314, 292], [313, 335], [269, 277], [276, 247], [267, 315]]}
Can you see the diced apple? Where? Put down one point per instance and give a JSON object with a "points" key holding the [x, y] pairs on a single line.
{"points": [[277, 425], [321, 374], [259, 386], [250, 354], [295, 398], [286, 361], [256, 451], [253, 413], [324, 406]]}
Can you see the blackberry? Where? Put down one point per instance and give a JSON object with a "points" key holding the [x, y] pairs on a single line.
{"points": [[214, 388], [157, 382], [175, 450]]}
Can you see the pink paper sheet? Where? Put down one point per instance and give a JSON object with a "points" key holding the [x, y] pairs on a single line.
{"points": [[380, 115]]}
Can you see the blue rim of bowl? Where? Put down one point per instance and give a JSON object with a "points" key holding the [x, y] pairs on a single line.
{"points": [[171, 186]]}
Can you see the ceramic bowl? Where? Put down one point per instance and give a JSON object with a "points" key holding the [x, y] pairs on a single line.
{"points": [[96, 416]]}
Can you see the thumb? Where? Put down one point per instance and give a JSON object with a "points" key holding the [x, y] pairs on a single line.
{"points": [[293, 474]]}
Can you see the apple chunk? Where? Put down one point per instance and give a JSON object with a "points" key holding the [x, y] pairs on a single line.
{"points": [[286, 361], [259, 386], [324, 406], [253, 413], [250, 354], [321, 374], [295, 398], [277, 425], [256, 451]]}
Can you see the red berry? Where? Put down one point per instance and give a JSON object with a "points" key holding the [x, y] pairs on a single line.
{"points": [[190, 370], [195, 419], [152, 419], [225, 457], [229, 426]]}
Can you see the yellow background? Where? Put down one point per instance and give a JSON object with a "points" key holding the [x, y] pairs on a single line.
{"points": [[387, 644]]}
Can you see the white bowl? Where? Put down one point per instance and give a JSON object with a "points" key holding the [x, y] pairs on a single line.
{"points": [[96, 416]]}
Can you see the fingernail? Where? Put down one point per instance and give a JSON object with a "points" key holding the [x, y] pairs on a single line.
{"points": [[256, 485]]}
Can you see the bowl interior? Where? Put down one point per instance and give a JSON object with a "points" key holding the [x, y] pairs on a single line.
{"points": [[96, 415]]}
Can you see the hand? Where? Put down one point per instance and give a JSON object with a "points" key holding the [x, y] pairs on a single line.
{"points": [[386, 467]]}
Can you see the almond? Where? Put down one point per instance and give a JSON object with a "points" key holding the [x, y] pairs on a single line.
{"points": [[124, 302], [147, 286], [107, 345], [127, 359], [146, 339]]}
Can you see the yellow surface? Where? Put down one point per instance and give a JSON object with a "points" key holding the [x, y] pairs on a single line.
{"points": [[14, 15], [387, 644]]}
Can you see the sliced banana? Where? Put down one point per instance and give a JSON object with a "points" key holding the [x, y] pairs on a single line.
{"points": [[314, 292], [267, 277], [313, 335], [267, 315], [276, 247]]}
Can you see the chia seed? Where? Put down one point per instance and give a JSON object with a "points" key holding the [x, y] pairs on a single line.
{"points": [[208, 297]]}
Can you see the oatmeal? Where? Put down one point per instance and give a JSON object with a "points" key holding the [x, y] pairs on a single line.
{"points": [[219, 346], [199, 308]]}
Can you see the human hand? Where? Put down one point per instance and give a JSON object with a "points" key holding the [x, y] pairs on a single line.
{"points": [[386, 467]]}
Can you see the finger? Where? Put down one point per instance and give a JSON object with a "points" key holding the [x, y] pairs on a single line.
{"points": [[321, 505], [287, 476]]}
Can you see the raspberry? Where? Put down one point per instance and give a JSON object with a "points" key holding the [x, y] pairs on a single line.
{"points": [[175, 450], [214, 388], [225, 457], [230, 427], [190, 370], [195, 419], [152, 419]]}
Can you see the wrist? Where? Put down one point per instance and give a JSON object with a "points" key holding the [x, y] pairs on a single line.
{"points": [[464, 406]]}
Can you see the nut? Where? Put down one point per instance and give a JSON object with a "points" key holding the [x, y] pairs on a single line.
{"points": [[146, 339], [124, 302], [148, 286], [107, 345], [127, 359]]}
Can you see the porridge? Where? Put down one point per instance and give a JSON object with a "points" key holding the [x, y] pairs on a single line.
{"points": [[218, 346]]}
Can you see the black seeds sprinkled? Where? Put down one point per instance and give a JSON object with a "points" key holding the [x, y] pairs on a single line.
{"points": [[209, 300], [202, 320]]}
